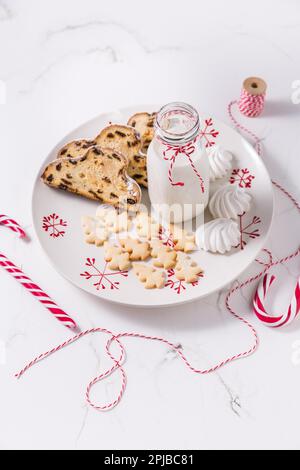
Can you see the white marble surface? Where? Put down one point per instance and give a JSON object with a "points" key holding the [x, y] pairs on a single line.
{"points": [[64, 62]]}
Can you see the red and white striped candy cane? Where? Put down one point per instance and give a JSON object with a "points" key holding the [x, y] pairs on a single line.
{"points": [[12, 225], [37, 292], [26, 282], [260, 309]]}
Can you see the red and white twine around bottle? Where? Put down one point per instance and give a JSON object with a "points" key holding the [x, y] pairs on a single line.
{"points": [[27, 283], [173, 151]]}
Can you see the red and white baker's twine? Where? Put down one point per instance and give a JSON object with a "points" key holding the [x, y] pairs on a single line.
{"points": [[171, 153], [251, 105], [118, 362], [27, 283]]}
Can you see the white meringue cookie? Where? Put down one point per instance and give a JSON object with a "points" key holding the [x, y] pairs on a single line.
{"points": [[220, 162], [229, 202], [218, 236]]}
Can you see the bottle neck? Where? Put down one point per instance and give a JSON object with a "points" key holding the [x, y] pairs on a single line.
{"points": [[177, 124]]}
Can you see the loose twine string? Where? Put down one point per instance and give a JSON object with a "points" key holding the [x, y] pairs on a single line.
{"points": [[118, 361]]}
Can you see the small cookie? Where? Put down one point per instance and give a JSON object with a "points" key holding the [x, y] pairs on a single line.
{"points": [[123, 223], [99, 237], [186, 269], [138, 251], [94, 232], [165, 259], [164, 256], [88, 224], [158, 246], [146, 226], [114, 221], [183, 241], [151, 278], [117, 258]]}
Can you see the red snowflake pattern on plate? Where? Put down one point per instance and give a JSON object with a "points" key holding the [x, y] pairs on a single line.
{"points": [[179, 286], [53, 225], [208, 133], [166, 237], [241, 176], [104, 278], [249, 230]]}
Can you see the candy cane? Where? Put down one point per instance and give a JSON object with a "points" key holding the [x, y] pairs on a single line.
{"points": [[260, 309], [12, 225], [27, 283]]}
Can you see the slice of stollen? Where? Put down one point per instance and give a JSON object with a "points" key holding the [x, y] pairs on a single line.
{"points": [[76, 148], [126, 140], [144, 124], [100, 174]]}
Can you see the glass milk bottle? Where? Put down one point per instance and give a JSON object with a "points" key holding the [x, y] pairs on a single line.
{"points": [[177, 165]]}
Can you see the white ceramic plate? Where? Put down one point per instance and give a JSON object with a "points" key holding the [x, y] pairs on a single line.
{"points": [[57, 221]]}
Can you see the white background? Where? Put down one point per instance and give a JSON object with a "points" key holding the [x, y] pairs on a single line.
{"points": [[64, 62]]}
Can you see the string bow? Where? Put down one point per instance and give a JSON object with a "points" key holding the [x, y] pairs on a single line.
{"points": [[186, 150]]}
